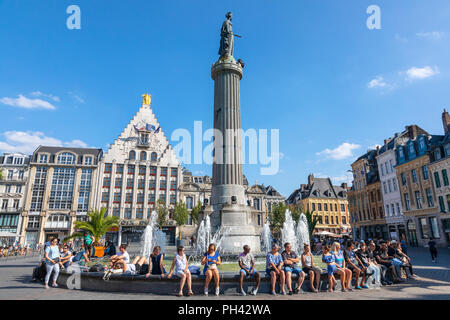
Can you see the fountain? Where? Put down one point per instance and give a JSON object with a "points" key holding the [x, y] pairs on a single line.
{"points": [[152, 237], [205, 237], [266, 238], [288, 232], [302, 232]]}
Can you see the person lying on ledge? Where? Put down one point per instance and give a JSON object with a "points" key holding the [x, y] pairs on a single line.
{"points": [[138, 266]]}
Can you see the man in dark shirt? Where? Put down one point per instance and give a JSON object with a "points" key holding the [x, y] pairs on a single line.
{"points": [[351, 261], [373, 257], [433, 249], [290, 260]]}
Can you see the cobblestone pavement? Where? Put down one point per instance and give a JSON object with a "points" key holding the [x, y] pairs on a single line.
{"points": [[433, 283]]}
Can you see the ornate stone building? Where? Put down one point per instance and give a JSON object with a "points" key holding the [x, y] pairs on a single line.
{"points": [[365, 199], [59, 191], [14, 167], [327, 202], [138, 169]]}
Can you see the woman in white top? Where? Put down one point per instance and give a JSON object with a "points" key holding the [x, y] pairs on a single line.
{"points": [[52, 257], [181, 270]]}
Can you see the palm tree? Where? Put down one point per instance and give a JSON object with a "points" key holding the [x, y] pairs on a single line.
{"points": [[97, 225]]}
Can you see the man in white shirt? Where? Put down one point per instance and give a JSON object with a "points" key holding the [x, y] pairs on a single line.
{"points": [[122, 256]]}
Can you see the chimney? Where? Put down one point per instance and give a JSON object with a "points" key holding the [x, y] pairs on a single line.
{"points": [[344, 186], [310, 179], [412, 131], [385, 141], [446, 121]]}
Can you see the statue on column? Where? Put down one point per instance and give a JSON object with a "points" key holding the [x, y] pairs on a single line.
{"points": [[226, 37]]}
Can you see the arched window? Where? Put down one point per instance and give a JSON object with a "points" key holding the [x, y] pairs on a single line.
{"points": [[143, 156], [154, 156], [132, 155], [66, 158]]}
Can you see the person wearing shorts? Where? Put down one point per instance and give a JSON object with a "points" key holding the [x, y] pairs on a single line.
{"points": [[247, 264], [138, 266], [351, 261], [310, 269], [180, 264], [290, 260], [274, 268], [328, 258]]}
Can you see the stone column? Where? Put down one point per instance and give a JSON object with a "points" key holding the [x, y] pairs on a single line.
{"points": [[227, 166]]}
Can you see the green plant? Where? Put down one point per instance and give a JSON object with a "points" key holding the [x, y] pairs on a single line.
{"points": [[180, 215], [295, 211], [195, 212], [97, 225], [1, 174], [277, 217], [162, 212]]}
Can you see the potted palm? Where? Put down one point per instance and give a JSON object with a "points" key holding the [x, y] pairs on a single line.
{"points": [[97, 225]]}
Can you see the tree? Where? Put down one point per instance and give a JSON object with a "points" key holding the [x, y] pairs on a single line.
{"points": [[195, 212], [277, 217], [180, 215], [162, 212], [295, 211], [97, 225], [1, 174], [312, 221]]}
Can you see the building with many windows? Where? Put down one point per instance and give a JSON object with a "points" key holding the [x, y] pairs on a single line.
{"points": [[416, 187], [327, 202], [138, 169], [365, 199], [14, 167], [392, 201], [59, 191]]}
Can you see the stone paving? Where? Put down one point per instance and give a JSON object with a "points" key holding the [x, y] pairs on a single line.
{"points": [[433, 283]]}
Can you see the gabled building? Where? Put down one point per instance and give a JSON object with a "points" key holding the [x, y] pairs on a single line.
{"points": [[416, 187], [138, 169], [327, 201]]}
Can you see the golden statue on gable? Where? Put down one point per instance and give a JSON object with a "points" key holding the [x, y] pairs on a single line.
{"points": [[146, 99]]}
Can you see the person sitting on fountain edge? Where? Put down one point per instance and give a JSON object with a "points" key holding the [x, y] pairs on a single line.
{"points": [[156, 259], [211, 260], [121, 256], [181, 270], [247, 264], [309, 268], [274, 268], [290, 260]]}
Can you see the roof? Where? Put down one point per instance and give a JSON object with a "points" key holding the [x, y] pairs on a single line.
{"points": [[318, 188], [79, 151]]}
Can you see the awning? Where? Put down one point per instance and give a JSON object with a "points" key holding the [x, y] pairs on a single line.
{"points": [[5, 234], [328, 234]]}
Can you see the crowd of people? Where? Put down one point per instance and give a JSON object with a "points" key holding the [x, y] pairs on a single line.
{"points": [[18, 249], [375, 263]]}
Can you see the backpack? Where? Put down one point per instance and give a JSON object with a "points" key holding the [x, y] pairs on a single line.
{"points": [[96, 268], [39, 272], [194, 270]]}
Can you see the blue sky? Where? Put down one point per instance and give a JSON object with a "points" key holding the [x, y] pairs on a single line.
{"points": [[313, 69]]}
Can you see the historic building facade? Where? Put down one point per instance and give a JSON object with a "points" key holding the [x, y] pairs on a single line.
{"points": [[59, 191], [365, 199], [416, 188], [138, 169], [14, 167], [328, 202]]}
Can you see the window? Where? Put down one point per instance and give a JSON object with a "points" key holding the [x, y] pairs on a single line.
{"points": [[142, 170], [130, 183], [436, 180], [10, 174], [88, 161], [392, 165], [105, 196], [38, 188], [117, 196], [128, 197], [18, 189], [403, 175], [66, 158], [441, 203], [139, 213], [325, 207], [344, 220], [418, 200], [319, 206], [379, 195], [445, 177], [21, 175], [8, 188], [143, 156], [422, 145], [384, 188], [140, 198], [189, 202], [429, 198], [153, 171], [116, 212], [434, 227], [335, 207], [387, 210], [108, 167], [173, 199], [326, 220], [414, 175], [106, 182], [407, 204], [131, 169], [132, 155], [154, 156], [437, 154], [84, 190], [33, 222], [119, 169], [163, 171], [173, 172], [342, 207], [61, 192], [257, 204], [141, 184], [118, 183], [398, 208], [392, 209], [313, 207], [389, 186], [382, 169], [423, 228], [152, 184], [151, 198], [127, 213], [163, 184], [401, 154], [173, 185], [425, 172], [332, 219], [5, 204], [447, 150], [412, 151], [43, 158]]}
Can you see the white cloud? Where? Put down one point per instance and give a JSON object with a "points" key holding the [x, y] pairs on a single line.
{"points": [[343, 151], [345, 177], [415, 73], [41, 94], [24, 102], [378, 82], [433, 35], [27, 142], [76, 97]]}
